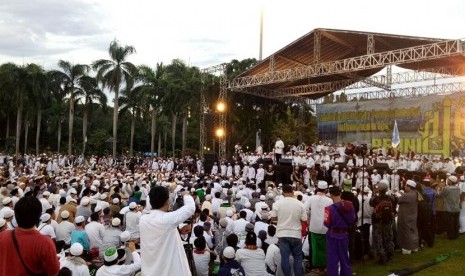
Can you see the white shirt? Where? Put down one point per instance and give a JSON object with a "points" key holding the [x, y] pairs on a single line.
{"points": [[253, 261], [278, 148], [201, 263], [161, 246], [316, 204], [64, 230], [216, 203], [47, 230], [132, 223], [95, 231], [260, 175], [76, 268], [290, 213], [121, 270]]}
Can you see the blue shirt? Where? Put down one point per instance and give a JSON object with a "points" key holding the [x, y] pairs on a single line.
{"points": [[431, 196], [80, 236]]}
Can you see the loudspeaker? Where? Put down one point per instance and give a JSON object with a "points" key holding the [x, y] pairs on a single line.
{"points": [[285, 162], [265, 161]]}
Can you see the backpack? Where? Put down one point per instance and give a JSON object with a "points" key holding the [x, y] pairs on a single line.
{"points": [[384, 211]]}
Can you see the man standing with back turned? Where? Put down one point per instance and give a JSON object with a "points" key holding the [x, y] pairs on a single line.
{"points": [[338, 218], [162, 250], [289, 212]]}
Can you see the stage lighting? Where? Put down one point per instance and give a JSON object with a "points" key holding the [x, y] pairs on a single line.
{"points": [[219, 132], [221, 107]]}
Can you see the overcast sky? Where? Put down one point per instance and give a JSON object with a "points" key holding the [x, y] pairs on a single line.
{"points": [[201, 32]]}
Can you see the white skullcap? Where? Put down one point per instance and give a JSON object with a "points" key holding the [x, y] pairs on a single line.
{"points": [[115, 200], [229, 252], [45, 217], [46, 193], [323, 185], [7, 212], [453, 179], [125, 236], [64, 214], [76, 249], [247, 204], [238, 196], [85, 201], [95, 183], [93, 188], [79, 219], [262, 197], [411, 183], [6, 201], [97, 209], [132, 205], [103, 196], [115, 222], [208, 197], [229, 213]]}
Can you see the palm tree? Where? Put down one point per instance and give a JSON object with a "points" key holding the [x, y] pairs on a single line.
{"points": [[153, 86], [12, 79], [39, 87], [57, 106], [90, 92], [70, 76], [132, 100], [111, 73], [174, 100], [6, 98]]}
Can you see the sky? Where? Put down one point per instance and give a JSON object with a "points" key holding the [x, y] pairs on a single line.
{"points": [[201, 32]]}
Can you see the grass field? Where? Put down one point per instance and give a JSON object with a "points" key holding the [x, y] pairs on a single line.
{"points": [[452, 266]]}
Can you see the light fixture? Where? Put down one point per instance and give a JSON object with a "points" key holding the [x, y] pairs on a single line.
{"points": [[219, 132], [221, 107]]}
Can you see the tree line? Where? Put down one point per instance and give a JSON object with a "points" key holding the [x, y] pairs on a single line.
{"points": [[149, 105]]}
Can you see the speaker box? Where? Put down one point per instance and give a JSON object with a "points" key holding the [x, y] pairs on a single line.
{"points": [[285, 162], [265, 161]]}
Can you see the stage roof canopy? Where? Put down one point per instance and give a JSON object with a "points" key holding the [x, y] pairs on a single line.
{"points": [[326, 60]]}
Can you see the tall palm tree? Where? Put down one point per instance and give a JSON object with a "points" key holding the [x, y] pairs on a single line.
{"points": [[70, 75], [132, 101], [6, 98], [57, 104], [38, 84], [111, 73], [182, 81], [12, 78], [89, 92], [153, 86]]}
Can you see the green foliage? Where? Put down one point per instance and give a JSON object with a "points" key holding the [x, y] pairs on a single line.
{"points": [[171, 89]]}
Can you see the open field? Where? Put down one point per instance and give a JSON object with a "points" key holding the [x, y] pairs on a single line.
{"points": [[452, 266]]}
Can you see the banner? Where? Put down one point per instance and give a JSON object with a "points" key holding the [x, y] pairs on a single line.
{"points": [[432, 124]]}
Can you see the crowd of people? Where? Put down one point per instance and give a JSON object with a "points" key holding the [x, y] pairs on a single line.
{"points": [[72, 215]]}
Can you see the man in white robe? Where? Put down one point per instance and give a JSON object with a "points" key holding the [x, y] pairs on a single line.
{"points": [[162, 249]]}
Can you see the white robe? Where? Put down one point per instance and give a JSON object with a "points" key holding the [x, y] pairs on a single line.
{"points": [[162, 250]]}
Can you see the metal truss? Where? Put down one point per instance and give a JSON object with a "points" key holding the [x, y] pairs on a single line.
{"points": [[370, 61], [205, 110], [381, 81], [406, 92], [222, 97]]}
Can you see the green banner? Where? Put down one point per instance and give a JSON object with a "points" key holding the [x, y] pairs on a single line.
{"points": [[432, 124]]}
